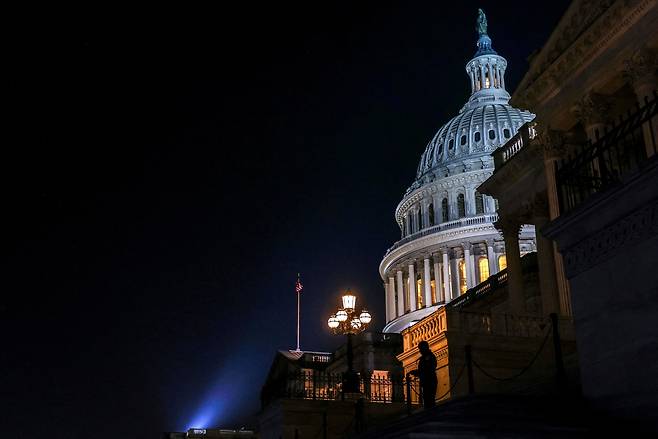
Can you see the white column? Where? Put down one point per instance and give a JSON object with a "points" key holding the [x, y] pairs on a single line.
{"points": [[427, 278], [387, 294], [438, 287], [411, 281], [424, 211], [491, 256], [469, 200], [400, 291], [436, 204], [446, 276], [467, 264], [452, 206], [391, 298], [474, 278], [454, 278]]}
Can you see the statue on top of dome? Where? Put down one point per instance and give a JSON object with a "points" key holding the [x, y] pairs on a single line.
{"points": [[481, 23]]}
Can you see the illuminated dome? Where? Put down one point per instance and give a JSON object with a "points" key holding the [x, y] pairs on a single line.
{"points": [[449, 243], [475, 132]]}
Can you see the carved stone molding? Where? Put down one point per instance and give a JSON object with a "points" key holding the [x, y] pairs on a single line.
{"points": [[553, 142], [641, 67], [603, 244], [592, 108], [583, 33], [508, 225]]}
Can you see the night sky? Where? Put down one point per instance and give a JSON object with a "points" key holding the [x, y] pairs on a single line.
{"points": [[173, 170]]}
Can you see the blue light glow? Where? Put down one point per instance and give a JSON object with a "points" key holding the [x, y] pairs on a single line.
{"points": [[213, 408]]}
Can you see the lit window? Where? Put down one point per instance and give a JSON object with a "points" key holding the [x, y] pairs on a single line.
{"points": [[487, 83], [419, 293], [502, 262], [433, 286], [462, 277], [483, 265]]}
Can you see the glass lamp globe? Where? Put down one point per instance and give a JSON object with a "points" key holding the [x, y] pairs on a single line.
{"points": [[349, 300], [341, 315], [355, 323], [365, 317], [333, 322]]}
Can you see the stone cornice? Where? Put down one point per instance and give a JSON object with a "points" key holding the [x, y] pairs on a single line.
{"points": [[435, 240], [575, 43]]}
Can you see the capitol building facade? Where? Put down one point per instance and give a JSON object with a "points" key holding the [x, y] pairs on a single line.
{"points": [[449, 242]]}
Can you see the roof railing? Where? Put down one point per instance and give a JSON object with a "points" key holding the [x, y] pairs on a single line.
{"points": [[454, 224]]}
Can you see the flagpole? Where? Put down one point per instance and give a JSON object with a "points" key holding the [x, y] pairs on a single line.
{"points": [[298, 310], [299, 291]]}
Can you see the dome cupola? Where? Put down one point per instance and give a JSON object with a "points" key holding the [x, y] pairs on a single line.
{"points": [[484, 123]]}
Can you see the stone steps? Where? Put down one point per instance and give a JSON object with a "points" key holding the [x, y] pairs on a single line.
{"points": [[498, 416]]}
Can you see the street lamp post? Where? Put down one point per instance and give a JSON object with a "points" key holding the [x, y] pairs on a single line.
{"points": [[349, 321]]}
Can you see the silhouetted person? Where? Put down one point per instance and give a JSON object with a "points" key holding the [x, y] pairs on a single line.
{"points": [[426, 373]]}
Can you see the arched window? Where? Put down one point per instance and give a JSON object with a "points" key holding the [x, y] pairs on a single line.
{"points": [[492, 134], [502, 262], [419, 219], [477, 136], [507, 133], [441, 148], [431, 214], [444, 210], [483, 265], [487, 81], [451, 144], [462, 277], [479, 203], [461, 207], [462, 141]]}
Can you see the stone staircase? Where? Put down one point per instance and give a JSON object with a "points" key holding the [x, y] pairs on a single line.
{"points": [[498, 416]]}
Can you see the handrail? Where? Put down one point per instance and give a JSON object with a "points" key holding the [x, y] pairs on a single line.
{"points": [[522, 137], [493, 282], [454, 224]]}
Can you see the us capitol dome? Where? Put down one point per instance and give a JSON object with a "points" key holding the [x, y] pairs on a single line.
{"points": [[448, 240]]}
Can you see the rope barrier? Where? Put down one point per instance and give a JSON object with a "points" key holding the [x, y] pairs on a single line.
{"points": [[459, 375], [450, 389], [524, 370]]}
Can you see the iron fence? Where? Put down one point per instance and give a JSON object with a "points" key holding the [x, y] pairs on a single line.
{"points": [[319, 385], [597, 166]]}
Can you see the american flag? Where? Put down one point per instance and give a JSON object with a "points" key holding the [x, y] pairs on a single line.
{"points": [[298, 285]]}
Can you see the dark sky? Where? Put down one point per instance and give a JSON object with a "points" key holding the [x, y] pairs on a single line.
{"points": [[173, 170]]}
